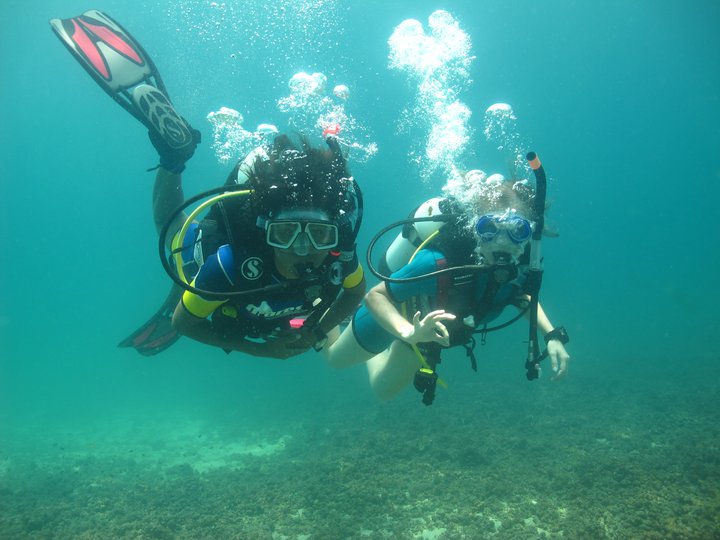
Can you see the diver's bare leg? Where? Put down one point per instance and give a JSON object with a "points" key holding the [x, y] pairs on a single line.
{"points": [[392, 370]]}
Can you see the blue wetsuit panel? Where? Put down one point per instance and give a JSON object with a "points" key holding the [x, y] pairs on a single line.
{"points": [[188, 245], [217, 272], [425, 262], [369, 334]]}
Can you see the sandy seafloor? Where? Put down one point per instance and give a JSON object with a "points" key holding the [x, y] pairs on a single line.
{"points": [[647, 467]]}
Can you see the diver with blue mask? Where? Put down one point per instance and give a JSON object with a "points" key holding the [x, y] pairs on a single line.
{"points": [[446, 277]]}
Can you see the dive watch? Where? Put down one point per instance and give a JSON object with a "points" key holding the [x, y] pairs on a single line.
{"points": [[558, 333]]}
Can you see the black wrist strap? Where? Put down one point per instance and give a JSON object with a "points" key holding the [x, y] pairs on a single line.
{"points": [[558, 333]]}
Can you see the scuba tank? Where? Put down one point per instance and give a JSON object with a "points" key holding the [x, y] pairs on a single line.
{"points": [[413, 234]]}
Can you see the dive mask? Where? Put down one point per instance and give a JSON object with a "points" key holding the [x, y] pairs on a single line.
{"points": [[283, 233], [489, 226]]}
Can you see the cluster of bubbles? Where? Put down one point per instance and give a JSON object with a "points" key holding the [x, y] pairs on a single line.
{"points": [[256, 34], [311, 109], [479, 190], [500, 129], [265, 38], [230, 139], [484, 192], [307, 93], [306, 24], [438, 63]]}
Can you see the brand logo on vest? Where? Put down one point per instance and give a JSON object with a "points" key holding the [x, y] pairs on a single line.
{"points": [[252, 268], [266, 311]]}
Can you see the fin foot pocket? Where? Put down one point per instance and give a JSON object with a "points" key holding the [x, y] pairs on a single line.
{"points": [[160, 113]]}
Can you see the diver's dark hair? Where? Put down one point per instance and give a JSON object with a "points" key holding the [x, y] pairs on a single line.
{"points": [[298, 175], [454, 239]]}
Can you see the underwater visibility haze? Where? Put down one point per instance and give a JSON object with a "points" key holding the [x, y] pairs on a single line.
{"points": [[621, 100]]}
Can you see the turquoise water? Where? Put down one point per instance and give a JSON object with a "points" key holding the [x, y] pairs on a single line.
{"points": [[622, 102]]}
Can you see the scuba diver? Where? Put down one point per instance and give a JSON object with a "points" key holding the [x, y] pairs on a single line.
{"points": [[453, 269], [290, 243], [270, 272]]}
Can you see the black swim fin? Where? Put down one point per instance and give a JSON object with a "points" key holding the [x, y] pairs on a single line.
{"points": [[122, 68], [157, 334]]}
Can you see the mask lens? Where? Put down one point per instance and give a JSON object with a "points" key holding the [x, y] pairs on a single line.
{"points": [[282, 234], [518, 229], [487, 228], [322, 235]]}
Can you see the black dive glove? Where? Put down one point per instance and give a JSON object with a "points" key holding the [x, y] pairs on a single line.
{"points": [[173, 159]]}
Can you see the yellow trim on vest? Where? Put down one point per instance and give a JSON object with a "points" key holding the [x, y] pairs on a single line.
{"points": [[198, 306], [354, 279], [176, 245], [229, 311]]}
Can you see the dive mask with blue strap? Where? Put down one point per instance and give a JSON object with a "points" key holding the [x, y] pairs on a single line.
{"points": [[490, 226]]}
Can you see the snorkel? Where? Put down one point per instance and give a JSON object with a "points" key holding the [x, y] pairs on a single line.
{"points": [[532, 363]]}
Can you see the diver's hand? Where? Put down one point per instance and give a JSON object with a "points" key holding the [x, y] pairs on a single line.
{"points": [[429, 329], [302, 338], [284, 346], [558, 358]]}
